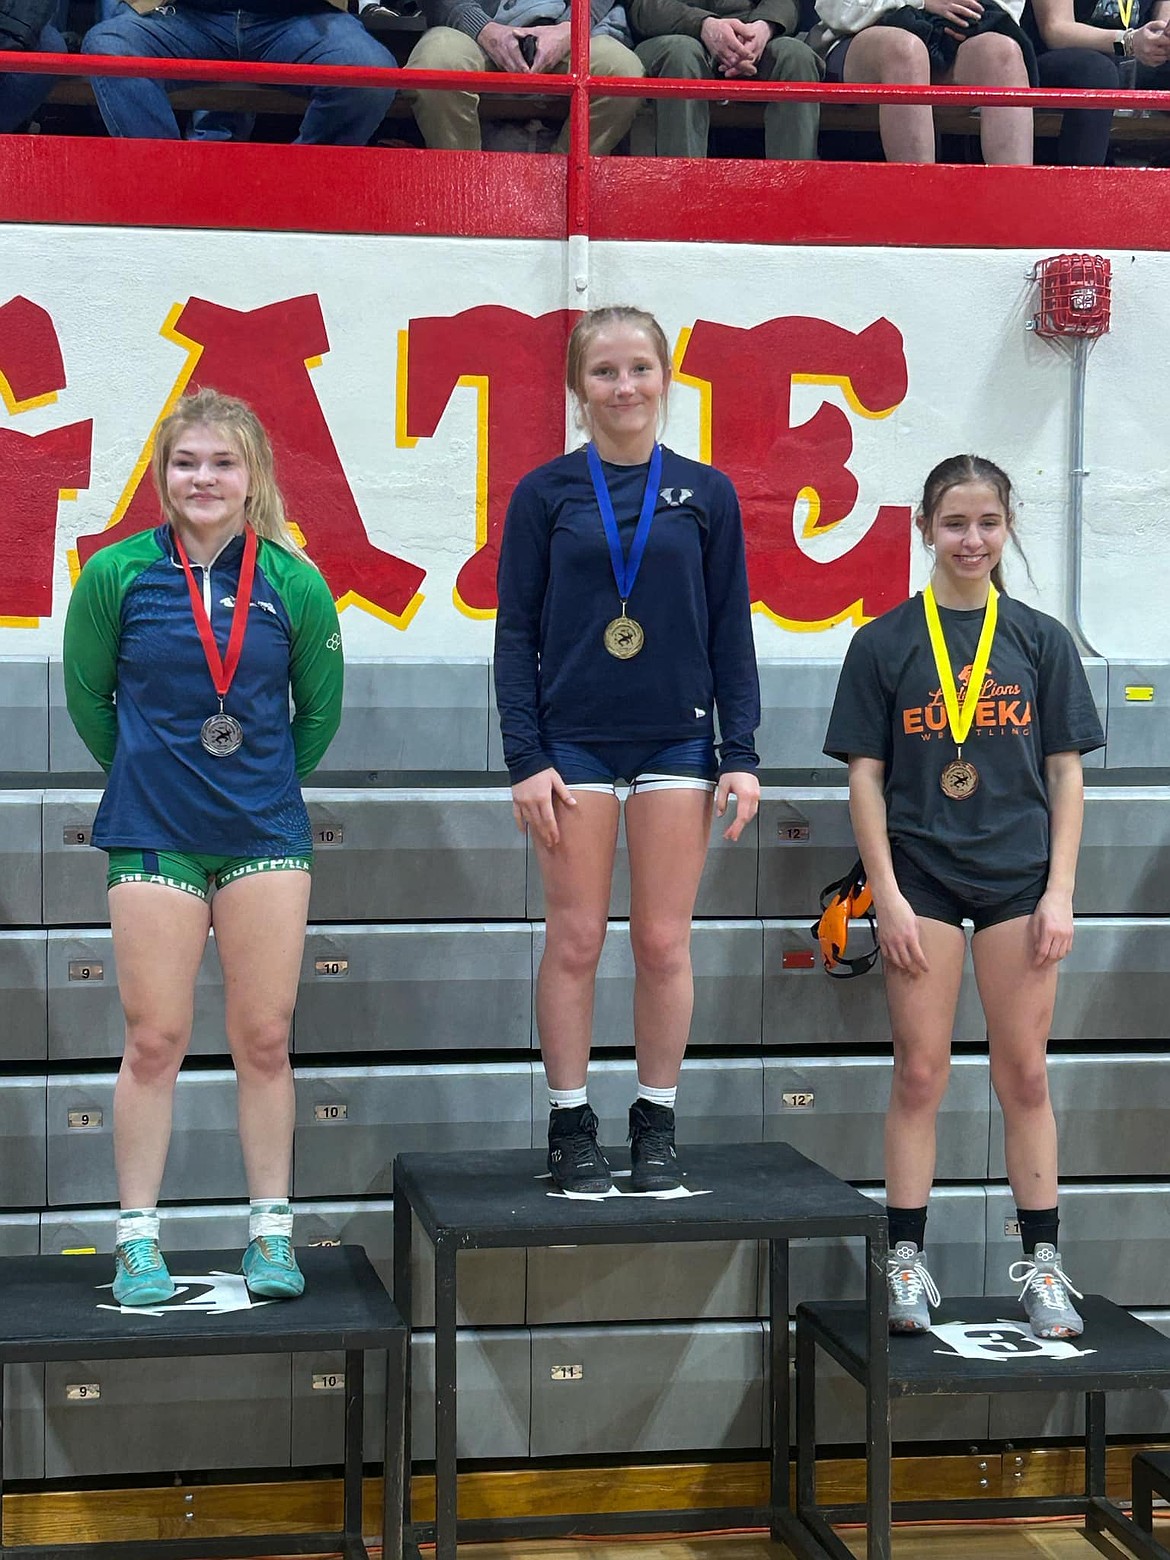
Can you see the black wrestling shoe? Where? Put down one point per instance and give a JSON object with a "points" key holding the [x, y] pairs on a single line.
{"points": [[653, 1161], [575, 1162]]}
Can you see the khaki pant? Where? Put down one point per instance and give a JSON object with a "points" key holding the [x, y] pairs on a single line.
{"points": [[451, 119], [790, 129]]}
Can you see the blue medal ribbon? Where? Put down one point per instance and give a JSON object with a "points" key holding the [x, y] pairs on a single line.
{"points": [[625, 570]]}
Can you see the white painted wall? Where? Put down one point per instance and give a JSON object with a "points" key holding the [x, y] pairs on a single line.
{"points": [[977, 381]]}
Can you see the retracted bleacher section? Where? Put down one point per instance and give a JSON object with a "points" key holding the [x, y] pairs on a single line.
{"points": [[414, 1031]]}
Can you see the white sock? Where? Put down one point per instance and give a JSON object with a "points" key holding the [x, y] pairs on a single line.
{"points": [[664, 1097], [567, 1099], [269, 1216], [136, 1224]]}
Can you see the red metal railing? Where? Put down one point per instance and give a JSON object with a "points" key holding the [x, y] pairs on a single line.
{"points": [[579, 86]]}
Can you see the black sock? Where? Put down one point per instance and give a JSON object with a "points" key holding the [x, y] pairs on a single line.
{"points": [[907, 1224], [1038, 1227]]}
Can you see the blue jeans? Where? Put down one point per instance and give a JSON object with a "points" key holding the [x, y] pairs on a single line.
{"points": [[21, 96], [207, 124], [321, 35]]}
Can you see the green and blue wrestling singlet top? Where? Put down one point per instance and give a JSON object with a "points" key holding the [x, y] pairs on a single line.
{"points": [[139, 691]]}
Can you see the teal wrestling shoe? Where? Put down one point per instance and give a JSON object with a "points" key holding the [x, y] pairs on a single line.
{"points": [[140, 1273], [270, 1268]]}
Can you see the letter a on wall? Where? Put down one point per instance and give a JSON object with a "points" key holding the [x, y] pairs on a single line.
{"points": [[263, 356]]}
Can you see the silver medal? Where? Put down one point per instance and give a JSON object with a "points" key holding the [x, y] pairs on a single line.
{"points": [[221, 735]]}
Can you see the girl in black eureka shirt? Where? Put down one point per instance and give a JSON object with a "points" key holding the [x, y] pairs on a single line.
{"points": [[624, 623], [963, 716]]}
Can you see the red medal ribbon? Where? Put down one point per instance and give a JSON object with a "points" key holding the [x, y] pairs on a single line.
{"points": [[223, 671]]}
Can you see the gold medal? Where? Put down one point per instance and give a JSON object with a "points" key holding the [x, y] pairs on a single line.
{"points": [[959, 780], [624, 637]]}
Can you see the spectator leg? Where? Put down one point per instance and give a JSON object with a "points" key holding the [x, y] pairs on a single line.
{"points": [[206, 124], [994, 60], [1084, 132], [682, 122], [133, 106], [1153, 78], [609, 118], [790, 129], [448, 119], [20, 95], [221, 124], [336, 116], [895, 55]]}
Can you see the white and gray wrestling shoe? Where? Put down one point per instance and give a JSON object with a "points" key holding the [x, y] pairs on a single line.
{"points": [[912, 1290], [1045, 1295]]}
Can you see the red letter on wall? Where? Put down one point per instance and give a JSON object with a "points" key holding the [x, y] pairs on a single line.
{"points": [[515, 362], [35, 469], [261, 356], [773, 464]]}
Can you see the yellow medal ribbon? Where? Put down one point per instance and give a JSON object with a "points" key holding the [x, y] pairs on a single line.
{"points": [[1125, 10], [961, 716]]}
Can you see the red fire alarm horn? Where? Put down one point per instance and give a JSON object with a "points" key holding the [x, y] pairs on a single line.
{"points": [[1074, 295]]}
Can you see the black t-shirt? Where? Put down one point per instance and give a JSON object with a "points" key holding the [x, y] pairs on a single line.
{"points": [[1035, 701], [1107, 13]]}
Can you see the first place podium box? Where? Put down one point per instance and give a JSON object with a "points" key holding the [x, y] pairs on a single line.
{"points": [[61, 1308], [982, 1346], [737, 1191]]}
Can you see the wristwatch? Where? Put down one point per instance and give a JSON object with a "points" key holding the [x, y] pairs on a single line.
{"points": [[1123, 46]]}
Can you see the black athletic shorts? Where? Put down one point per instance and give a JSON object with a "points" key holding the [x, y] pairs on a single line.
{"points": [[938, 901]]}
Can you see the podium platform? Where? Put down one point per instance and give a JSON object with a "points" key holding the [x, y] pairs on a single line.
{"points": [[983, 1346], [739, 1191], [1151, 1476], [62, 1308]]}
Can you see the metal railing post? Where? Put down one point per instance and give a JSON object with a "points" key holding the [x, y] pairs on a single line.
{"points": [[578, 185]]}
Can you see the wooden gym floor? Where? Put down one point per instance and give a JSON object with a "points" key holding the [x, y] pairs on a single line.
{"points": [[1059, 1540]]}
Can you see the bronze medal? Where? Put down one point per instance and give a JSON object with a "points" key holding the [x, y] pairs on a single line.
{"points": [[624, 637], [959, 780]]}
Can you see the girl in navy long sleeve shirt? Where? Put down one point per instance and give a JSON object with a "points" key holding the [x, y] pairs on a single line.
{"points": [[601, 679]]}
